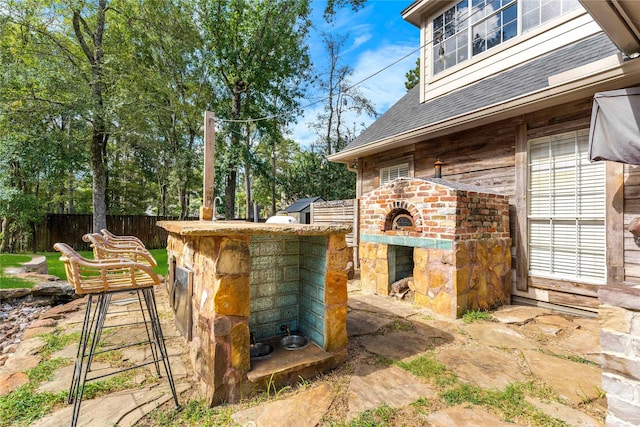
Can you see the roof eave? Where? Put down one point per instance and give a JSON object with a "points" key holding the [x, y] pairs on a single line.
{"points": [[620, 20], [626, 73]]}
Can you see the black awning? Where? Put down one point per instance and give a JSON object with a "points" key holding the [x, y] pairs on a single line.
{"points": [[615, 126]]}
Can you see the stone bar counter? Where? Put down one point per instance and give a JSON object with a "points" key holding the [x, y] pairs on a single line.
{"points": [[251, 279]]}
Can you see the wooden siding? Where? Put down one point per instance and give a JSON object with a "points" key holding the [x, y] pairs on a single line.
{"points": [[494, 156], [631, 210]]}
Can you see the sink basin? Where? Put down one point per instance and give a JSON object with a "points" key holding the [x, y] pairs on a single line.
{"points": [[260, 351], [294, 342]]}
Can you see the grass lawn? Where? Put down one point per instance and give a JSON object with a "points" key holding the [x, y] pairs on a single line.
{"points": [[56, 267], [7, 280]]}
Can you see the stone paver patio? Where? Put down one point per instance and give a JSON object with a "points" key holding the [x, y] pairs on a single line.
{"points": [[520, 344]]}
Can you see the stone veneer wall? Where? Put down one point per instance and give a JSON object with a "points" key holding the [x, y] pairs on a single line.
{"points": [[222, 292], [462, 248], [619, 313]]}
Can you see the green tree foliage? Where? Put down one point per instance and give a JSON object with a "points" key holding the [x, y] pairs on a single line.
{"points": [[310, 174], [256, 49], [102, 103], [413, 76]]}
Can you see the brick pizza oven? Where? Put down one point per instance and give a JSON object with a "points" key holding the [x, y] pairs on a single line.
{"points": [[452, 238]]}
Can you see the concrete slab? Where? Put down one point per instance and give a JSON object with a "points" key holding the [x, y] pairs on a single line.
{"points": [[373, 386]]}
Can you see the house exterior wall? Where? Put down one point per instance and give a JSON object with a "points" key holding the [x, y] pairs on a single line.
{"points": [[491, 156]]}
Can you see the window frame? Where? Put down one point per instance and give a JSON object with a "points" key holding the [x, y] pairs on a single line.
{"points": [[442, 60], [544, 247], [399, 167]]}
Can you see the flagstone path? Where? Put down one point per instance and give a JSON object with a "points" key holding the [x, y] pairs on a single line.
{"points": [[519, 344]]}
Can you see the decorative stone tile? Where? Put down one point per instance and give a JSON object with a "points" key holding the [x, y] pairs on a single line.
{"points": [[266, 289], [316, 337], [288, 287], [290, 312], [288, 260], [291, 247], [317, 308], [291, 273], [286, 300], [259, 304], [268, 316]]}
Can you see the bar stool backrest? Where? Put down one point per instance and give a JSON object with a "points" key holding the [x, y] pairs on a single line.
{"points": [[113, 239], [104, 275], [102, 249]]}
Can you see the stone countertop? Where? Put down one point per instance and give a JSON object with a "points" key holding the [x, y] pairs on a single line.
{"points": [[225, 228]]}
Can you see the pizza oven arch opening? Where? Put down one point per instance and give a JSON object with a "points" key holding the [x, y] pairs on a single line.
{"points": [[399, 220]]}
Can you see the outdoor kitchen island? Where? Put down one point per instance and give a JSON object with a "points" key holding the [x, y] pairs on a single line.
{"points": [[233, 284]]}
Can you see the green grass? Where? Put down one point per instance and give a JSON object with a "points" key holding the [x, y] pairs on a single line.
{"points": [[381, 416], [8, 281], [510, 403], [194, 413], [56, 267], [475, 315]]}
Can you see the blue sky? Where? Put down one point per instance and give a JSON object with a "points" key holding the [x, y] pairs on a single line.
{"points": [[378, 36]]}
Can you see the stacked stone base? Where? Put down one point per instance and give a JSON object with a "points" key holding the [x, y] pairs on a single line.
{"points": [[474, 275], [620, 343]]}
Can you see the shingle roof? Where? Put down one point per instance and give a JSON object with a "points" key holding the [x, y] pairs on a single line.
{"points": [[301, 204], [409, 114]]}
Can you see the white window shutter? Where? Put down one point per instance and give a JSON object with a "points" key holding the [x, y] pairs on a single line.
{"points": [[566, 209]]}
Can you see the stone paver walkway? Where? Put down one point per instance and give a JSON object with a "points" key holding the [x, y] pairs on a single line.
{"points": [[520, 344]]}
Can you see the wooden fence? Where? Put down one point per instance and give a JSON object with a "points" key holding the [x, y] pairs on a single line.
{"points": [[337, 212], [70, 229]]}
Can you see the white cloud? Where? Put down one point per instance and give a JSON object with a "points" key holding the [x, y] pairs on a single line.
{"points": [[383, 90]]}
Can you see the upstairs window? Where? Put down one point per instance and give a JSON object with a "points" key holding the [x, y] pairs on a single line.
{"points": [[390, 173], [473, 26], [536, 12]]}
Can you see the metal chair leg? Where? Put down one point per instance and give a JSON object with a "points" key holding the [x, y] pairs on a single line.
{"points": [[150, 299], [153, 344], [101, 310], [82, 346]]}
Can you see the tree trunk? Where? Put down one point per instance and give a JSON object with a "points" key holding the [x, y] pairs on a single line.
{"points": [[99, 136], [232, 172], [4, 243], [71, 208]]}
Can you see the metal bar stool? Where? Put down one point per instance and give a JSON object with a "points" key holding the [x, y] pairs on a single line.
{"points": [[100, 279], [131, 249]]}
